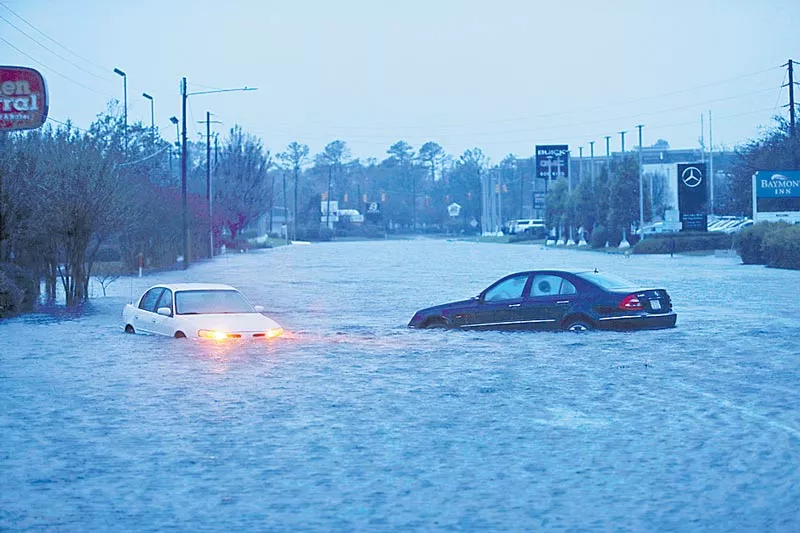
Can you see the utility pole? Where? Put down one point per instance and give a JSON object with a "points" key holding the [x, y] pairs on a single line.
{"points": [[286, 208], [328, 198], [641, 186], [209, 187], [622, 133], [499, 201], [591, 161], [702, 140], [710, 163], [791, 99]]}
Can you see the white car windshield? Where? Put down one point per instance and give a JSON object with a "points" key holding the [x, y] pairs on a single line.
{"points": [[211, 302]]}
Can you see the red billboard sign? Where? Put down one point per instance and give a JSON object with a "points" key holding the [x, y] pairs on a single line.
{"points": [[23, 99]]}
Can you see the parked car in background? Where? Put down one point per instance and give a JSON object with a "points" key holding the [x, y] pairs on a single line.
{"points": [[729, 224], [555, 300], [198, 310], [529, 225]]}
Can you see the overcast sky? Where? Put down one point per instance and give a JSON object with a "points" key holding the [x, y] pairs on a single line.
{"points": [[500, 75]]}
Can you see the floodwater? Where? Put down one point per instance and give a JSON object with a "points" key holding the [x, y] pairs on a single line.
{"points": [[354, 423]]}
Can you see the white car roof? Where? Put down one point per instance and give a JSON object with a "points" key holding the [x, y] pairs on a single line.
{"points": [[196, 286]]}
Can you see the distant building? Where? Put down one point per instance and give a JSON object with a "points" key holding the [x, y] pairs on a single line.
{"points": [[660, 162]]}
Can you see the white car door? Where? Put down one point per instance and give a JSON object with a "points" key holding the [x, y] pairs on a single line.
{"points": [[145, 317], [164, 325]]}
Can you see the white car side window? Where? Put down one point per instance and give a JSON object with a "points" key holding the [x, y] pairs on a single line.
{"points": [[148, 302]]}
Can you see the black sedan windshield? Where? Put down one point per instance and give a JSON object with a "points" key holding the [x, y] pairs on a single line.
{"points": [[211, 302]]}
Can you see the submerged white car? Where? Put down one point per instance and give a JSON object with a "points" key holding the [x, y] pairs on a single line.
{"points": [[198, 310]]}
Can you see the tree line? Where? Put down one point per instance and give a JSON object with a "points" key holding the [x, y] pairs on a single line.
{"points": [[68, 196]]}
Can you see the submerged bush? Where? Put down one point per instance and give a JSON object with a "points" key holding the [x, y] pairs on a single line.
{"points": [[599, 237], [666, 243], [18, 290], [750, 242], [781, 247]]}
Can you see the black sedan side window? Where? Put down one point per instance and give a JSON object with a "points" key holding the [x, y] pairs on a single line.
{"points": [[150, 299], [568, 288], [507, 289]]}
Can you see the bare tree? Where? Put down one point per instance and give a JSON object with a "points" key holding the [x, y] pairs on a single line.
{"points": [[295, 158], [241, 192], [334, 156]]}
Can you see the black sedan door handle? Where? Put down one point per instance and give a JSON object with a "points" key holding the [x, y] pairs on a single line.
{"points": [[514, 305], [562, 302]]}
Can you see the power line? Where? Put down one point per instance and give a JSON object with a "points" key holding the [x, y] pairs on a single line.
{"points": [[53, 52], [66, 124], [54, 71], [562, 113], [103, 69], [128, 163], [780, 91], [556, 127]]}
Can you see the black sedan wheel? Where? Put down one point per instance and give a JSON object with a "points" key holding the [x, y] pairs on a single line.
{"points": [[578, 325], [436, 323]]}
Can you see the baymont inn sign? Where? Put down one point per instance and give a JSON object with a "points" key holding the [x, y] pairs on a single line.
{"points": [[776, 195], [23, 99], [783, 184]]}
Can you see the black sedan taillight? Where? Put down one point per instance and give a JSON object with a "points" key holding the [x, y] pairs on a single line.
{"points": [[631, 303]]}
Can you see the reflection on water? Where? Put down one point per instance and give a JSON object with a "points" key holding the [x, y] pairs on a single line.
{"points": [[351, 421]]}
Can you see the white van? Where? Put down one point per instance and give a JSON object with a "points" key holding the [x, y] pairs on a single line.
{"points": [[530, 225]]}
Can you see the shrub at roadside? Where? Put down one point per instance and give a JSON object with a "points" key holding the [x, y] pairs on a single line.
{"points": [[750, 242], [526, 236], [667, 243], [781, 246], [599, 237], [18, 290]]}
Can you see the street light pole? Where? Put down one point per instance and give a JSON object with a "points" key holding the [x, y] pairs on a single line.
{"points": [[641, 186], [184, 95], [152, 119], [125, 104], [185, 224]]}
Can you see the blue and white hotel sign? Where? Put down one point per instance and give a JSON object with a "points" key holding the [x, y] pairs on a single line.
{"points": [[777, 184]]}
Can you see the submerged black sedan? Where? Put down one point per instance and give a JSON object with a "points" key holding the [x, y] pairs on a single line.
{"points": [[553, 300]]}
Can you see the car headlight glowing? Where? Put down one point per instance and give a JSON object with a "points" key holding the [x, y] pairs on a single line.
{"points": [[212, 334], [274, 332]]}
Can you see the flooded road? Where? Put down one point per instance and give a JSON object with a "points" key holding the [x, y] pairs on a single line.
{"points": [[353, 422]]}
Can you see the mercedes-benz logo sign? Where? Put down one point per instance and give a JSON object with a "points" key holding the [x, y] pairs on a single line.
{"points": [[692, 177]]}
